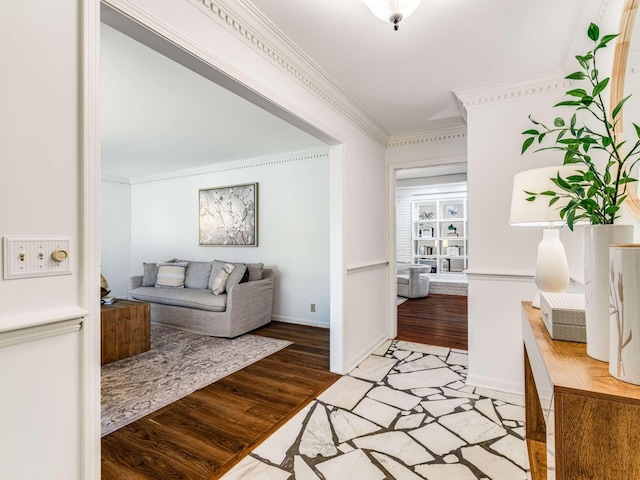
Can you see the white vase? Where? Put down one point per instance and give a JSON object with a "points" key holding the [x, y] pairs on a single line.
{"points": [[598, 238], [624, 333]]}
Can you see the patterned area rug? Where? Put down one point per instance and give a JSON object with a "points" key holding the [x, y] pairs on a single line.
{"points": [[178, 364], [401, 300], [404, 413]]}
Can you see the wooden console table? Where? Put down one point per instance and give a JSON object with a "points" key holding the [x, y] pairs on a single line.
{"points": [[581, 423], [125, 328]]}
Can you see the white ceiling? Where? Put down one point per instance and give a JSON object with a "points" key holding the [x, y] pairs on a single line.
{"points": [[158, 116], [404, 79]]}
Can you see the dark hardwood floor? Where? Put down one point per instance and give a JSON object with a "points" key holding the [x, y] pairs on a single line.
{"points": [[436, 320], [204, 434]]}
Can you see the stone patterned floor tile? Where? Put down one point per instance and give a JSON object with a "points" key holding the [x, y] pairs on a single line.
{"points": [[397, 444], [302, 471], [446, 472], [317, 438], [437, 439], [377, 412], [346, 392], [251, 469], [275, 447], [373, 368], [354, 465], [346, 425], [495, 467], [410, 416], [397, 470], [401, 400], [472, 426]]}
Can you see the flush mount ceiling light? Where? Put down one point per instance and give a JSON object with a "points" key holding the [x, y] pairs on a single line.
{"points": [[392, 10]]}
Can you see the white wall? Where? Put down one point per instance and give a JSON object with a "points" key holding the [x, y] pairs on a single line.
{"points": [[293, 227], [115, 234], [41, 405]]}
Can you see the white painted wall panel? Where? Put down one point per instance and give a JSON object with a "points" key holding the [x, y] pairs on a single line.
{"points": [[115, 235], [293, 230]]}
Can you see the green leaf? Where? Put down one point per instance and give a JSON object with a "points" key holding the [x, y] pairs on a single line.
{"points": [[568, 103], [530, 132], [593, 32], [577, 92], [553, 200], [558, 122], [618, 107], [586, 101], [594, 74], [637, 130], [541, 137], [576, 76], [530, 199], [533, 121], [548, 193], [527, 143], [611, 209], [597, 90], [606, 39], [606, 141], [561, 134]]}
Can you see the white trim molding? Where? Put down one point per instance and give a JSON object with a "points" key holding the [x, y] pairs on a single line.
{"points": [[31, 334], [246, 21], [482, 95], [114, 179], [300, 321], [23, 320], [428, 136], [264, 161]]}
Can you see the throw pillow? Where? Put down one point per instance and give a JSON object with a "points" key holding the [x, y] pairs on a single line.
{"points": [[220, 282], [150, 274], [255, 271], [236, 277], [171, 275], [197, 275]]}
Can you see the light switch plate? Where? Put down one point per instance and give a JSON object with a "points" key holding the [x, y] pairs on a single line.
{"points": [[30, 256]]}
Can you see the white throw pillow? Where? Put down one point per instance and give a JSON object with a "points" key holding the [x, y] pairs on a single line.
{"points": [[171, 275], [220, 282]]}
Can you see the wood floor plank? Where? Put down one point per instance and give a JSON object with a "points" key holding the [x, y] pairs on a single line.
{"points": [[204, 434], [437, 319]]}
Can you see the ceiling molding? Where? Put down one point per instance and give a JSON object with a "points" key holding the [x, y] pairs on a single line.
{"points": [[114, 179], [428, 136], [479, 96], [247, 22], [264, 161]]}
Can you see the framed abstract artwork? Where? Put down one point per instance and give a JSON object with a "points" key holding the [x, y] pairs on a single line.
{"points": [[229, 216]]}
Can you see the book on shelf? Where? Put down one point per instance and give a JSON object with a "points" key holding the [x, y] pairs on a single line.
{"points": [[108, 300]]}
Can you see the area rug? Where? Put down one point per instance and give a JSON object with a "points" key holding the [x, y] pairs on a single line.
{"points": [[400, 300], [179, 363]]}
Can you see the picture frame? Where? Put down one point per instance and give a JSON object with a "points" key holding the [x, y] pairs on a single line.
{"points": [[228, 216]]}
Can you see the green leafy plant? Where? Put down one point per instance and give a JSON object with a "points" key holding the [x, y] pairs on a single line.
{"points": [[591, 194]]}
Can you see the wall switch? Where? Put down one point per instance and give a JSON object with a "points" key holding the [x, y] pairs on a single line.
{"points": [[313, 307], [26, 257]]}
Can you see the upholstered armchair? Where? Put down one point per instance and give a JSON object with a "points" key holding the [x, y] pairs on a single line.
{"points": [[413, 281]]}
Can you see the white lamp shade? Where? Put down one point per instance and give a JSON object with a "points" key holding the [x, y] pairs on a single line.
{"points": [[537, 213], [384, 9]]}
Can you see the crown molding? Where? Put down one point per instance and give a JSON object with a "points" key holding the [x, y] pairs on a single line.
{"points": [[448, 134], [255, 162], [479, 96], [247, 22], [114, 179]]}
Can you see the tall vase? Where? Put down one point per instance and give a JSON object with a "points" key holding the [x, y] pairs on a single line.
{"points": [[624, 333], [598, 238]]}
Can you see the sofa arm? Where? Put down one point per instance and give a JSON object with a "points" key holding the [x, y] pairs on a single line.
{"points": [[415, 272], [250, 305], [134, 282]]}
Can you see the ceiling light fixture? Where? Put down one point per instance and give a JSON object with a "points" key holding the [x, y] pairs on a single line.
{"points": [[392, 10]]}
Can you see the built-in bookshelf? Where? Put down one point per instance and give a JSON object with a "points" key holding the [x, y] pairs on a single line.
{"points": [[439, 233]]}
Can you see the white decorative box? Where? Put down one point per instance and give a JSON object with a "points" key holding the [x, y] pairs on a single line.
{"points": [[563, 315]]}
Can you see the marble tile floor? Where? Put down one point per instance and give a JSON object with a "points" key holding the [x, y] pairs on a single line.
{"points": [[404, 413]]}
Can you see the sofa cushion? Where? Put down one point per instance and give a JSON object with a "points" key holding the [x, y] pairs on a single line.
{"points": [[171, 275], [403, 279], [234, 278], [220, 282], [198, 274], [255, 271], [182, 297], [150, 274]]}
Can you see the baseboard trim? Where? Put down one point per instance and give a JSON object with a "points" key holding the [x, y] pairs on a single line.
{"points": [[365, 352], [512, 388], [300, 321]]}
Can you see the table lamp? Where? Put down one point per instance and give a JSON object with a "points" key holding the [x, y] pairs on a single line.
{"points": [[552, 268]]}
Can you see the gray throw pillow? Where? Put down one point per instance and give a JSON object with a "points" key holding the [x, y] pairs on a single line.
{"points": [[255, 271], [220, 282], [150, 274], [198, 274], [171, 275], [237, 275]]}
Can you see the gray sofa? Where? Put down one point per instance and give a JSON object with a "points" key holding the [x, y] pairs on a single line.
{"points": [[244, 307], [413, 280]]}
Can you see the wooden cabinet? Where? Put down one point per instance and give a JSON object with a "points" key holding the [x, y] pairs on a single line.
{"points": [[126, 330], [581, 423]]}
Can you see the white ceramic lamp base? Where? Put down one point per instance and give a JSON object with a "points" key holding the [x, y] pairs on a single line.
{"points": [[552, 268]]}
